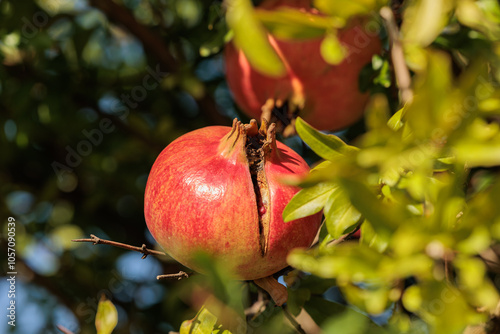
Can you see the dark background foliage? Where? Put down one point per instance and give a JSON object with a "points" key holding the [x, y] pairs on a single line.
{"points": [[74, 70]]}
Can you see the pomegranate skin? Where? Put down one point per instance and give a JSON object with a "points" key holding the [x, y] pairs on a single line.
{"points": [[327, 96], [200, 197]]}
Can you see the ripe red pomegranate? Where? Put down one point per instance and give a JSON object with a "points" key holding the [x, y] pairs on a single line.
{"points": [[217, 190], [326, 96]]}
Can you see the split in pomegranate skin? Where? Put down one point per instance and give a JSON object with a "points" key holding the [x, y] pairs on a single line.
{"points": [[326, 96], [217, 190]]}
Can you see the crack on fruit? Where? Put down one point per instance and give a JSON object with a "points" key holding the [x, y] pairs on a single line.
{"points": [[248, 143], [282, 113], [258, 145]]}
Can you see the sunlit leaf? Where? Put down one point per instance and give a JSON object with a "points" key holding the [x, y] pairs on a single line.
{"points": [[250, 36], [439, 304], [339, 213], [203, 323], [424, 20], [395, 122], [332, 51], [381, 215], [106, 317], [472, 279], [291, 23], [480, 15], [329, 147], [377, 114], [346, 9], [308, 201]]}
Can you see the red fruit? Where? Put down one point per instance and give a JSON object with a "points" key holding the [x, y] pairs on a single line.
{"points": [[326, 96], [217, 190]]}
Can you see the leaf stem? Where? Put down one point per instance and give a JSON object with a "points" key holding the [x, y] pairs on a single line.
{"points": [[292, 320]]}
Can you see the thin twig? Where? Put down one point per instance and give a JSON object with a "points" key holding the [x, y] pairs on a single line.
{"points": [[292, 320], [402, 72], [180, 275], [96, 240], [64, 329], [343, 237], [256, 308]]}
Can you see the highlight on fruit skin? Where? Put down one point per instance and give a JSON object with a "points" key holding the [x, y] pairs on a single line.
{"points": [[324, 95], [217, 190]]}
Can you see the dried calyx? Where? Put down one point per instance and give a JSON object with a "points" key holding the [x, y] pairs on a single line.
{"points": [[258, 145]]}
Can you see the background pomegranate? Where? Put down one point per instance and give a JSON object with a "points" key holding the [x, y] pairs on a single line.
{"points": [[217, 190], [326, 96]]}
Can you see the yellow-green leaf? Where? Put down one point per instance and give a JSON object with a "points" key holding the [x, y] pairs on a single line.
{"points": [[106, 317], [308, 201], [346, 9], [203, 323], [251, 37], [291, 23], [339, 213], [424, 20], [329, 147], [332, 51]]}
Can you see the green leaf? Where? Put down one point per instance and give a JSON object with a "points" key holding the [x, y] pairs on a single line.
{"points": [[381, 215], [332, 51], [321, 309], [251, 37], [106, 317], [291, 23], [424, 20], [347, 262], [442, 306], [395, 122], [308, 201], [429, 113], [372, 239], [377, 113], [384, 71], [339, 213], [329, 147], [478, 155], [203, 323], [346, 9], [472, 278], [475, 15]]}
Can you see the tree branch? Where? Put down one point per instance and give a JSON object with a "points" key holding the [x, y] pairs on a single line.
{"points": [[145, 251], [402, 72], [180, 275]]}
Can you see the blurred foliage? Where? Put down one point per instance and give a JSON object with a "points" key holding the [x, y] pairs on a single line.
{"points": [[410, 183], [92, 90]]}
